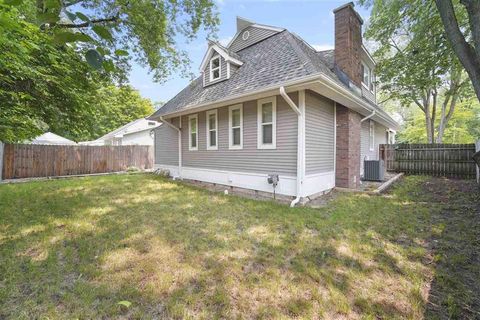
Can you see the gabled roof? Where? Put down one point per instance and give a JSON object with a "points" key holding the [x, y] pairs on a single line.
{"points": [[227, 54], [274, 61], [243, 23], [131, 127], [52, 138]]}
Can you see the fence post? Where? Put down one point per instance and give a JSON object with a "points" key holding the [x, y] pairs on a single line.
{"points": [[1, 159], [477, 149]]}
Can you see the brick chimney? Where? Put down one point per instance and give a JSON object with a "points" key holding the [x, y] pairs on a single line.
{"points": [[348, 42]]}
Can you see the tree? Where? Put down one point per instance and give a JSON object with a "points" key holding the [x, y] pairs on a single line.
{"points": [[116, 107], [464, 125], [415, 62], [465, 41], [41, 85], [45, 87], [110, 33]]}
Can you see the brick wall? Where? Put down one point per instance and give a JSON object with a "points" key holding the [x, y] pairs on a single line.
{"points": [[348, 148], [348, 42]]}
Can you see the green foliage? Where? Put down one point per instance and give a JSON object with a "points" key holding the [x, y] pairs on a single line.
{"points": [[464, 126], [144, 31], [415, 63], [42, 86], [116, 106], [48, 86]]}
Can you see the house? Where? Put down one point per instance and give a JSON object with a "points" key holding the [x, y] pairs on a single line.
{"points": [[52, 138], [137, 132], [268, 103]]}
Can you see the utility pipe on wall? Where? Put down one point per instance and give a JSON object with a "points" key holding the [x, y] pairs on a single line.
{"points": [[179, 143], [300, 111]]}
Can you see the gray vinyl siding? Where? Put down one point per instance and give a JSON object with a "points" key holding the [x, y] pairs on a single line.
{"points": [[380, 138], [223, 72], [166, 145], [256, 35], [282, 160], [319, 134], [368, 94]]}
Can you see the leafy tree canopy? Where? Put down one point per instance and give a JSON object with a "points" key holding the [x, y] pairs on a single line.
{"points": [[415, 62], [464, 126], [112, 33], [46, 87]]}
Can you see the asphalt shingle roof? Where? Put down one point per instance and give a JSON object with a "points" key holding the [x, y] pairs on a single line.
{"points": [[275, 60]]}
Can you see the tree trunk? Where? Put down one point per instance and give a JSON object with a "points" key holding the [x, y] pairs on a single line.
{"points": [[428, 117], [468, 55]]}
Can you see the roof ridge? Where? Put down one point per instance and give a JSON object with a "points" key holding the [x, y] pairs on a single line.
{"points": [[303, 57]]}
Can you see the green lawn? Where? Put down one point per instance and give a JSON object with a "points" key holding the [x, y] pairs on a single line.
{"points": [[75, 248]]}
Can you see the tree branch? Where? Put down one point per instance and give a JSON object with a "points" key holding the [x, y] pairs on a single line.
{"points": [[464, 51], [86, 24]]}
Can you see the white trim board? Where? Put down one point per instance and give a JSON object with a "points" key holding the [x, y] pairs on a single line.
{"points": [[313, 183]]}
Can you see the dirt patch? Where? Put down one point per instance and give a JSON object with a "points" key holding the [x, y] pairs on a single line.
{"points": [[454, 249]]}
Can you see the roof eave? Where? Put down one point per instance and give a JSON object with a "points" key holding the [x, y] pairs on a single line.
{"points": [[334, 92]]}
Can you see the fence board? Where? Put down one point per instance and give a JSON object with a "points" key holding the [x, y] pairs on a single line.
{"points": [[29, 160], [448, 160]]}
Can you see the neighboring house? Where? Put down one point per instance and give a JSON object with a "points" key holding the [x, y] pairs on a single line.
{"points": [[268, 103], [52, 138], [137, 132]]}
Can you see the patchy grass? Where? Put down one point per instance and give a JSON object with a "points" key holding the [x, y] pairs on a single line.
{"points": [[76, 248]]}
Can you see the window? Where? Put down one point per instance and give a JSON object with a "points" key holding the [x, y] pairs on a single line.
{"points": [[371, 136], [235, 126], [372, 81], [266, 123], [245, 35], [366, 76], [193, 132], [215, 68], [212, 130]]}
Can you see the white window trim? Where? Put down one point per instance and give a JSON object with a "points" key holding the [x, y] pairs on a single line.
{"points": [[230, 135], [207, 125], [366, 85], [371, 136], [219, 68], [260, 103], [193, 116]]}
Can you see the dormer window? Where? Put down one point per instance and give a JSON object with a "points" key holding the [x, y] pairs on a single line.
{"points": [[215, 68], [368, 77]]}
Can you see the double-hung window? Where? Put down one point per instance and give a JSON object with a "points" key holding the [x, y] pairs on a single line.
{"points": [[215, 68], [368, 77], [371, 136], [193, 132], [267, 123], [235, 126], [212, 130]]}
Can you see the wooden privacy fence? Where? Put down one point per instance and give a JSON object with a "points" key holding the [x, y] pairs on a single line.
{"points": [[447, 160], [31, 160]]}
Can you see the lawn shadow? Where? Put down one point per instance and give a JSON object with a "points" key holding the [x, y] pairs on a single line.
{"points": [[80, 247]]}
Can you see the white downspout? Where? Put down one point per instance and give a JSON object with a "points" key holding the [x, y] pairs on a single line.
{"points": [[179, 142], [369, 116], [300, 111]]}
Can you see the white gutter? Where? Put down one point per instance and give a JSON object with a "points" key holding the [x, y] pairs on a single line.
{"points": [[368, 117], [179, 143], [300, 111]]}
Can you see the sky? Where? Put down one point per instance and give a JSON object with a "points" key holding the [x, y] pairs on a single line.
{"points": [[312, 20]]}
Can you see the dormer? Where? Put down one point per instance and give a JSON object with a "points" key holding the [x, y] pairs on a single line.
{"points": [[249, 33], [368, 75], [218, 64]]}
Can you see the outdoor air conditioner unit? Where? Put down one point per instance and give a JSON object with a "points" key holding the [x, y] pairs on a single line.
{"points": [[373, 170]]}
